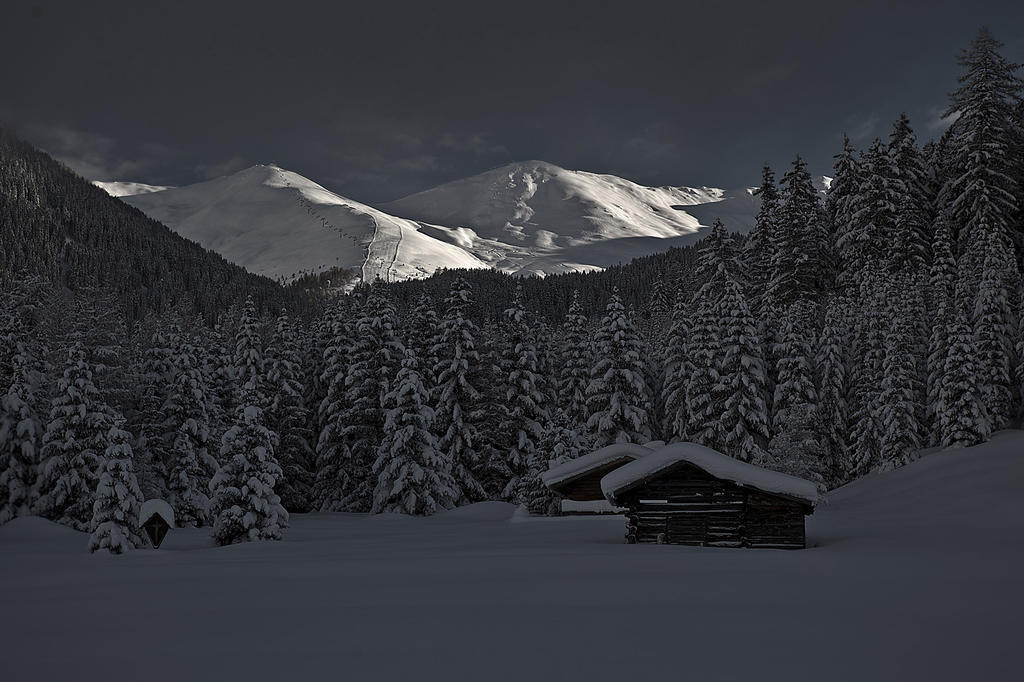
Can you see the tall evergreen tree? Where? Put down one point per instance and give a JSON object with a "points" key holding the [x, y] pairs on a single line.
{"points": [[244, 505], [332, 453], [457, 398], [373, 363], [981, 190], [743, 425], [963, 419], [413, 477], [759, 246], [186, 427], [798, 258], [115, 513], [678, 370], [618, 396], [73, 445], [523, 401], [288, 416], [576, 362], [21, 435]]}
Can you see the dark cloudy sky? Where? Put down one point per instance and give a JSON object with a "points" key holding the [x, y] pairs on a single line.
{"points": [[379, 99]]}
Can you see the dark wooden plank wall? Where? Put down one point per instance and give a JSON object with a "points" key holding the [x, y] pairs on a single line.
{"points": [[588, 486], [688, 506]]}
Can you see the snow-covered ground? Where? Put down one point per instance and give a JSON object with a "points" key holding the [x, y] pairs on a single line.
{"points": [[916, 574]]}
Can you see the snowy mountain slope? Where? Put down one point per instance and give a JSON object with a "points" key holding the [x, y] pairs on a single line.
{"points": [[534, 216], [127, 189], [280, 224], [922, 568], [528, 218]]}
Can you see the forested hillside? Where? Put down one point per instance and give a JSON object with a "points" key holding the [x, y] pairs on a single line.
{"points": [[58, 226]]}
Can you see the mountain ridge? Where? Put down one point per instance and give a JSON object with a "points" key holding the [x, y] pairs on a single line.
{"points": [[528, 217]]}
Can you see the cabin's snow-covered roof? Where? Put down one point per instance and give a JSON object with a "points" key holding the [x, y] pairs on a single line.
{"points": [[713, 462], [150, 507], [598, 458]]}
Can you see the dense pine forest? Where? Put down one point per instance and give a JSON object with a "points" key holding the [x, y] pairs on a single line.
{"points": [[845, 333]]}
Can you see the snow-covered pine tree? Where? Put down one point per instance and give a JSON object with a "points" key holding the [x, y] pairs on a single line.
{"points": [[185, 420], [980, 192], [413, 477], [941, 287], [424, 335], [795, 369], [248, 357], [21, 435], [523, 406], [332, 457], [743, 425], [865, 241], [899, 404], [73, 445], [115, 512], [457, 398], [678, 369], [618, 398], [703, 350], [841, 207], [155, 376], [576, 362], [867, 374], [244, 505], [373, 363], [799, 249], [963, 420], [994, 327], [797, 449], [910, 239], [832, 362], [288, 417], [758, 248], [794, 432]]}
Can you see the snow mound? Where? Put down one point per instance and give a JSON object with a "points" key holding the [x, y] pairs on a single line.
{"points": [[35, 529], [150, 507], [482, 511], [581, 465], [714, 463]]}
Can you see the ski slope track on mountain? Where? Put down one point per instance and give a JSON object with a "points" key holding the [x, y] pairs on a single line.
{"points": [[277, 223], [913, 574]]}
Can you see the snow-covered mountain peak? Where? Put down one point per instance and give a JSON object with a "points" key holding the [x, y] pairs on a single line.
{"points": [[529, 217]]}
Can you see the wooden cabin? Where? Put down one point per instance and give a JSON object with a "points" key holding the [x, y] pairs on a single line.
{"points": [[688, 494], [578, 480]]}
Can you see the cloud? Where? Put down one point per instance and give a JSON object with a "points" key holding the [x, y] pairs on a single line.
{"points": [[209, 171], [937, 122], [476, 143], [91, 155], [862, 128]]}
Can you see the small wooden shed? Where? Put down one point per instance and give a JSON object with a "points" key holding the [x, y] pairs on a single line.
{"points": [[688, 494], [578, 480]]}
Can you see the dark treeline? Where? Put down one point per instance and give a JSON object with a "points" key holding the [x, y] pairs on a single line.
{"points": [[840, 337]]}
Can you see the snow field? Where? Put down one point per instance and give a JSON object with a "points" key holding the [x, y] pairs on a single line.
{"points": [[915, 574]]}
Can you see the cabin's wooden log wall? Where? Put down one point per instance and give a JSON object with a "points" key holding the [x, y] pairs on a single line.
{"points": [[588, 486], [688, 506]]}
